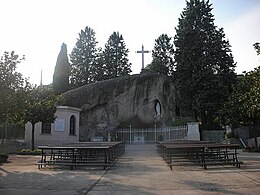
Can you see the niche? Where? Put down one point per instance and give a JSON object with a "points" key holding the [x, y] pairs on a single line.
{"points": [[157, 108]]}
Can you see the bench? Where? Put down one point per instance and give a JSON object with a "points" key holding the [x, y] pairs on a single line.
{"points": [[72, 165], [198, 153], [81, 154]]}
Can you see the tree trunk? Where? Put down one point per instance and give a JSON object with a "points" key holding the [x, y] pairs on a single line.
{"points": [[33, 128]]}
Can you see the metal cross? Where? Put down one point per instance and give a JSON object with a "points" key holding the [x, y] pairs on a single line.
{"points": [[143, 52]]}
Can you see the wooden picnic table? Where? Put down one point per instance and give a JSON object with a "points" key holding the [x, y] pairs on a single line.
{"points": [[201, 153], [81, 154], [161, 144]]}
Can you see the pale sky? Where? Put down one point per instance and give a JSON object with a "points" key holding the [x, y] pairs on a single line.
{"points": [[37, 28]]}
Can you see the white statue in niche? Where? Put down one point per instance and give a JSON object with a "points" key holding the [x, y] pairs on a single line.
{"points": [[158, 109]]}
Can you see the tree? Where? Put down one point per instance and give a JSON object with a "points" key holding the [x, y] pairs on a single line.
{"points": [[257, 48], [243, 105], [162, 54], [204, 63], [84, 59], [62, 72], [13, 88], [250, 100], [40, 107], [116, 57]]}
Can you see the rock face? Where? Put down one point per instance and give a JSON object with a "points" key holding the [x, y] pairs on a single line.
{"points": [[137, 100]]}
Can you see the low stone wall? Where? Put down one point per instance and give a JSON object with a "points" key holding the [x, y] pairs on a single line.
{"points": [[251, 142], [212, 135], [242, 132]]}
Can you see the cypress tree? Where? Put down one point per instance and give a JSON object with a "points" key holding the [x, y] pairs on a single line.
{"points": [[84, 58], [162, 54], [204, 63], [116, 61], [61, 72]]}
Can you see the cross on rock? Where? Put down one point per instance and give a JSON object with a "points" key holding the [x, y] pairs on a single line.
{"points": [[143, 52]]}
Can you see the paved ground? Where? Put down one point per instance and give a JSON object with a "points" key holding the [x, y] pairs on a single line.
{"points": [[139, 171]]}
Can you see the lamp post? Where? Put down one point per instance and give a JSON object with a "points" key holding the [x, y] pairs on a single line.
{"points": [[155, 138]]}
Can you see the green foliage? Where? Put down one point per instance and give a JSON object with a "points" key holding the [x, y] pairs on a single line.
{"points": [[3, 158], [40, 107], [204, 64], [230, 135], [29, 151], [26, 150], [116, 57], [243, 105], [250, 100], [13, 88], [181, 121], [257, 48], [162, 54], [85, 59], [61, 72]]}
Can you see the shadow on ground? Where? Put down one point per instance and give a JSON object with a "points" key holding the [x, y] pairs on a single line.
{"points": [[139, 171]]}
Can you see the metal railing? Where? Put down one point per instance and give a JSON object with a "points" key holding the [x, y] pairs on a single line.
{"points": [[151, 135]]}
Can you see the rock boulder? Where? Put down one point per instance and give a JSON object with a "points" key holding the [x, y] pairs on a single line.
{"points": [[137, 100]]}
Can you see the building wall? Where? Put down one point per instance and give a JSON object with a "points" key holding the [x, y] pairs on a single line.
{"points": [[59, 129]]}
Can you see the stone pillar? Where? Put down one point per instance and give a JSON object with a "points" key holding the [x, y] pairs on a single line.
{"points": [[193, 131], [109, 137]]}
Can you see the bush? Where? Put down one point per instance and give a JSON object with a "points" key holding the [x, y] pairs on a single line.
{"points": [[30, 152], [230, 135], [37, 150], [181, 121], [26, 150], [3, 158]]}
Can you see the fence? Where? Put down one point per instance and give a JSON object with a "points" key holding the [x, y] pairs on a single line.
{"points": [[11, 132], [151, 135]]}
